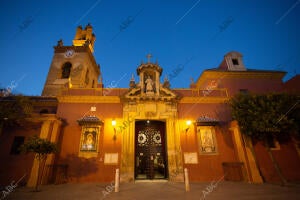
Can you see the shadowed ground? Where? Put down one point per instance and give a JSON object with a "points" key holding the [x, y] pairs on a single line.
{"points": [[157, 191]]}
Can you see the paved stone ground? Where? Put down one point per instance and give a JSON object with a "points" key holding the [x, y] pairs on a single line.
{"points": [[157, 191]]}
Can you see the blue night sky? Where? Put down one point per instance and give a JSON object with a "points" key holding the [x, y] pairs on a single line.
{"points": [[193, 33]]}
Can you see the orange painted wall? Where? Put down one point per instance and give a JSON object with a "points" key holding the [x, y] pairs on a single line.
{"points": [[287, 158], [253, 85], [88, 169], [293, 85], [209, 167], [14, 167], [193, 111]]}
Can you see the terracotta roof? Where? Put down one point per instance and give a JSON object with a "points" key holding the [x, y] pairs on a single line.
{"points": [[205, 120], [89, 119]]}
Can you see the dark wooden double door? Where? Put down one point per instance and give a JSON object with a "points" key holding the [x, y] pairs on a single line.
{"points": [[150, 150]]}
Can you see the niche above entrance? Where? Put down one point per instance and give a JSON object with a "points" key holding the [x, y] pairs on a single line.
{"points": [[149, 87]]}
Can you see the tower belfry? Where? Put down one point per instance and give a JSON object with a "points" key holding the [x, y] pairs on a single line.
{"points": [[85, 37]]}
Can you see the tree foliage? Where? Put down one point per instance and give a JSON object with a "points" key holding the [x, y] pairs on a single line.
{"points": [[266, 116], [40, 146], [14, 110]]}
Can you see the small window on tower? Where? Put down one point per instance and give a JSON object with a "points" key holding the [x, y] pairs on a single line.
{"points": [[66, 70], [235, 61]]}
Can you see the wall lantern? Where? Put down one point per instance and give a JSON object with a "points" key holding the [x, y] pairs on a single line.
{"points": [[114, 123], [188, 124]]}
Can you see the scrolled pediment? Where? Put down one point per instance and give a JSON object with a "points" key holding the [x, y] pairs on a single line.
{"points": [[149, 87]]}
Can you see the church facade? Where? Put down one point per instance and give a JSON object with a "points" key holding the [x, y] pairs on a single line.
{"points": [[148, 131]]}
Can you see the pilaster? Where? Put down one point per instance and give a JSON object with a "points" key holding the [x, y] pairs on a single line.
{"points": [[244, 149], [50, 130]]}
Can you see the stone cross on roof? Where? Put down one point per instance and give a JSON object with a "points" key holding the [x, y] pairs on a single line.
{"points": [[149, 57]]}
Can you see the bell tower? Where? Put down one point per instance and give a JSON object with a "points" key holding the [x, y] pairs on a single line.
{"points": [[73, 66]]}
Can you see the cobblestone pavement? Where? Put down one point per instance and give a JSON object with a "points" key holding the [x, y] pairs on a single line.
{"points": [[153, 190]]}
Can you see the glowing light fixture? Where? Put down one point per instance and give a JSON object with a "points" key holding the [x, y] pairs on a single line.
{"points": [[113, 122], [188, 124]]}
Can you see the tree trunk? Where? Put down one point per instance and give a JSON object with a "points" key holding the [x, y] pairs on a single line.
{"points": [[38, 177], [276, 166]]}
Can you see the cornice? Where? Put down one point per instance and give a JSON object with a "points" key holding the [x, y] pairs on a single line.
{"points": [[204, 99], [88, 99], [77, 49], [43, 117]]}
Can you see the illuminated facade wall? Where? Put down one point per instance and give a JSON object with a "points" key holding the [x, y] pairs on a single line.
{"points": [[100, 129]]}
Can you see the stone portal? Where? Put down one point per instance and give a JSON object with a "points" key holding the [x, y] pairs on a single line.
{"points": [[151, 141], [150, 150]]}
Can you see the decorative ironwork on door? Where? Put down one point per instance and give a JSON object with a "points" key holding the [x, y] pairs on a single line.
{"points": [[150, 152]]}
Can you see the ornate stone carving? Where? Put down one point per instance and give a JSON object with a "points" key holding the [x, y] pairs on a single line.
{"points": [[149, 87]]}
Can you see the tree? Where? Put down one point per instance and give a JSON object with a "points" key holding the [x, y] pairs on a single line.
{"points": [[41, 148], [14, 110], [267, 117]]}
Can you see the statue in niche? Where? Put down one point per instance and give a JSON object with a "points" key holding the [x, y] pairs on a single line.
{"points": [[149, 85]]}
